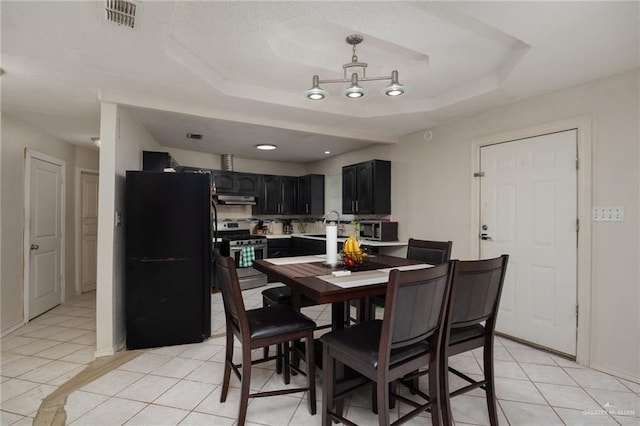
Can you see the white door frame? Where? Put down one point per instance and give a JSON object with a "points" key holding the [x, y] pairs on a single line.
{"points": [[30, 154], [78, 225], [583, 128]]}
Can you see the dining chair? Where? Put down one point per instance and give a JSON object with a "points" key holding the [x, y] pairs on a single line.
{"points": [[407, 338], [431, 252], [471, 319], [281, 295], [257, 328]]}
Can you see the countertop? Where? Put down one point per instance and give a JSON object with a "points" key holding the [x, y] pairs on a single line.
{"points": [[363, 241]]}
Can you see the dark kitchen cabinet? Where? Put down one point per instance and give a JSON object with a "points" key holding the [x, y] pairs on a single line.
{"points": [[278, 195], [228, 182], [278, 247], [307, 246], [366, 188], [311, 194], [153, 161]]}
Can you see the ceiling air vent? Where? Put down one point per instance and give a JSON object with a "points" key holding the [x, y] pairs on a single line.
{"points": [[121, 12]]}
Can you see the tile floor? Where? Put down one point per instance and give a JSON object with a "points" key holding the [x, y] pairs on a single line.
{"points": [[181, 384]]}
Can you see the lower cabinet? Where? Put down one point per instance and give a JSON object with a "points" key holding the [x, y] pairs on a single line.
{"points": [[279, 247]]}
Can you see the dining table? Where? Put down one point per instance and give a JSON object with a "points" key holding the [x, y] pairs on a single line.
{"points": [[312, 277]]}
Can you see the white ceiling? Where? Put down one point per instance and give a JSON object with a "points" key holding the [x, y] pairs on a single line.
{"points": [[236, 71]]}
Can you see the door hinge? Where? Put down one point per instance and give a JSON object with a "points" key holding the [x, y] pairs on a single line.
{"points": [[478, 174], [577, 163], [577, 311], [577, 225]]}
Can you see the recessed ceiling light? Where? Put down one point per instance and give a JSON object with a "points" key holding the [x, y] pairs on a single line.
{"points": [[327, 152], [266, 147]]}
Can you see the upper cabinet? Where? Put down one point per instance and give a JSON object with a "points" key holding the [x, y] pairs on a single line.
{"points": [[278, 195], [153, 161], [366, 188], [236, 183], [311, 194]]}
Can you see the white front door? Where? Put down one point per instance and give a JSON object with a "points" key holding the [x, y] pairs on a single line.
{"points": [[528, 209], [45, 236], [88, 230]]}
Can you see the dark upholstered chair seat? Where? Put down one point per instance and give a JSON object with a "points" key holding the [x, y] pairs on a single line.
{"points": [[362, 341], [276, 320], [281, 295], [461, 334]]}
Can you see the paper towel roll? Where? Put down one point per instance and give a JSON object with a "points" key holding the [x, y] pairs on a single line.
{"points": [[332, 243]]}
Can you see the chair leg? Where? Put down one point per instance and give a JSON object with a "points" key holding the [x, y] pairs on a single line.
{"points": [[489, 384], [383, 402], [311, 372], [228, 360], [285, 363], [445, 400], [244, 387], [279, 358], [435, 378], [328, 385]]}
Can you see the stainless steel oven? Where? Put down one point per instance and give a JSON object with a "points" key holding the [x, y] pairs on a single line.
{"points": [[235, 236]]}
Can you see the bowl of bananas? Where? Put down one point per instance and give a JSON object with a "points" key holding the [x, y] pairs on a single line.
{"points": [[355, 257]]}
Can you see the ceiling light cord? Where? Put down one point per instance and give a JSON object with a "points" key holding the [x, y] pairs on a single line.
{"points": [[354, 91]]}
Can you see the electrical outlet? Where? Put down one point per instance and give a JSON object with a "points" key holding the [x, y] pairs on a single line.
{"points": [[608, 214]]}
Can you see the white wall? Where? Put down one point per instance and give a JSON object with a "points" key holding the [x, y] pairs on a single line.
{"points": [[16, 137], [122, 141], [432, 186]]}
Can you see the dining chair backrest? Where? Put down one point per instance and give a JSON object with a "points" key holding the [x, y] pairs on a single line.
{"points": [[227, 279], [415, 307], [477, 286], [432, 252]]}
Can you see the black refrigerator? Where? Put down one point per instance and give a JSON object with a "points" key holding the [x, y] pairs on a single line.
{"points": [[168, 258]]}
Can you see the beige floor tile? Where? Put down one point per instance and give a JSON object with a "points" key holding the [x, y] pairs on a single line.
{"points": [[148, 388], [158, 415], [520, 413], [82, 356], [593, 379], [28, 402], [14, 387], [585, 417], [199, 419], [113, 382], [60, 350], [22, 366], [7, 418], [185, 394], [80, 403], [567, 397], [547, 374], [518, 390], [49, 371], [145, 363], [114, 411]]}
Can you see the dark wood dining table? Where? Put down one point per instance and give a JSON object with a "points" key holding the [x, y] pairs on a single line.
{"points": [[303, 279]]}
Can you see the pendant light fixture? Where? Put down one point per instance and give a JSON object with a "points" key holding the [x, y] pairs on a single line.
{"points": [[358, 74]]}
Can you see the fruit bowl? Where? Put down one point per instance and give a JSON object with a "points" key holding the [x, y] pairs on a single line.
{"points": [[354, 257]]}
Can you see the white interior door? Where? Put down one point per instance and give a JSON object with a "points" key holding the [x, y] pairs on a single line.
{"points": [[528, 210], [88, 230], [45, 235]]}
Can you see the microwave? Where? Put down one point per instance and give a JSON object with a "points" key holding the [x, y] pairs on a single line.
{"points": [[379, 230]]}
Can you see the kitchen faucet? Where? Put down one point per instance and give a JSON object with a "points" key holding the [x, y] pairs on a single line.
{"points": [[340, 227]]}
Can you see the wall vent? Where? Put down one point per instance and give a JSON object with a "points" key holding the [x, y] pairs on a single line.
{"points": [[121, 12]]}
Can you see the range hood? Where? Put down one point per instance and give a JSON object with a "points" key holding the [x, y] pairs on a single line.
{"points": [[242, 200]]}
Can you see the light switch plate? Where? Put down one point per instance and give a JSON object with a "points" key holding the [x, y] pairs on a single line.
{"points": [[608, 214]]}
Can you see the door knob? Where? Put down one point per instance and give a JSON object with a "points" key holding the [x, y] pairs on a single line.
{"points": [[34, 247]]}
